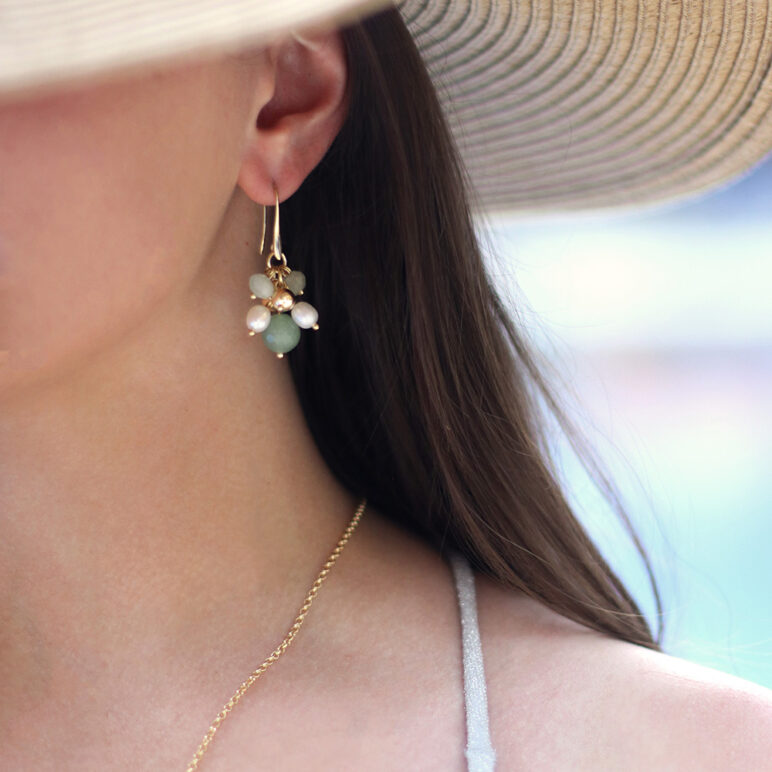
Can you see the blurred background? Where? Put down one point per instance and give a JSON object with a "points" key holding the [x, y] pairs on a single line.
{"points": [[660, 324]]}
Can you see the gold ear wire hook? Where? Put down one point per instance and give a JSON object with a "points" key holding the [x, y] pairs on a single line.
{"points": [[276, 251], [262, 233], [276, 234], [275, 262]]}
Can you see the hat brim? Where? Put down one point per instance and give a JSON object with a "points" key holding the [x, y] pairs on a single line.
{"points": [[81, 41], [556, 105], [565, 105], [569, 105]]}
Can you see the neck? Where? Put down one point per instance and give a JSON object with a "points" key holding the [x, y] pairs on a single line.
{"points": [[165, 496]]}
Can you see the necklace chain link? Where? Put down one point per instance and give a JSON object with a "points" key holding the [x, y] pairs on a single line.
{"points": [[282, 647]]}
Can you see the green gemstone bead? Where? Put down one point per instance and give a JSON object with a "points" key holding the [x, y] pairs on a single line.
{"points": [[282, 334], [296, 282], [261, 286]]}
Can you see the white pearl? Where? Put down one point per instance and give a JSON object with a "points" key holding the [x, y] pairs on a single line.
{"points": [[258, 318], [304, 315], [261, 286]]}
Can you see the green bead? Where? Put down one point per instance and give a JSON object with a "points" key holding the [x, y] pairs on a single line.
{"points": [[282, 334], [296, 282], [261, 286]]}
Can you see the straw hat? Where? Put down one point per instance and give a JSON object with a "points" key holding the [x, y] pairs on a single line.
{"points": [[556, 104]]}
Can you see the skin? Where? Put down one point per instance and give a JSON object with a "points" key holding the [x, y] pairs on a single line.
{"points": [[165, 511]]}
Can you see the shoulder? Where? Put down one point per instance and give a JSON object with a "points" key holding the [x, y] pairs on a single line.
{"points": [[563, 696]]}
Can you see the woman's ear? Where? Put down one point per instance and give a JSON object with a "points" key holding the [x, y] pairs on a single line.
{"points": [[295, 127]]}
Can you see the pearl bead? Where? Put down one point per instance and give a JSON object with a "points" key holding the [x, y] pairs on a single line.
{"points": [[282, 300], [258, 318], [296, 282], [305, 315], [282, 334], [261, 286]]}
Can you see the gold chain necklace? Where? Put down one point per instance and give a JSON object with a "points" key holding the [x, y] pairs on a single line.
{"points": [[282, 647]]}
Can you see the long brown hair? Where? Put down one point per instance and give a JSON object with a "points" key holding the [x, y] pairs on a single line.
{"points": [[419, 390]]}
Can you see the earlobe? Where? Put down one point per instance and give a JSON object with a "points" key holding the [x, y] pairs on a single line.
{"points": [[294, 129]]}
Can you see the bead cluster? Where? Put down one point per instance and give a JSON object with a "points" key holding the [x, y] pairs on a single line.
{"points": [[280, 330], [279, 316]]}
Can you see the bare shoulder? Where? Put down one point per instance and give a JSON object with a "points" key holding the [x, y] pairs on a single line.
{"points": [[562, 696]]}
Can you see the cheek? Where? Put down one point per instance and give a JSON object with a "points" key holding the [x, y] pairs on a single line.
{"points": [[106, 198]]}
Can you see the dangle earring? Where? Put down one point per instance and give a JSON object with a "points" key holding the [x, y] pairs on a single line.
{"points": [[277, 290]]}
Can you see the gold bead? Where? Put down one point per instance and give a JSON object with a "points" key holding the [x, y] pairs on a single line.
{"points": [[315, 327], [280, 356], [283, 300]]}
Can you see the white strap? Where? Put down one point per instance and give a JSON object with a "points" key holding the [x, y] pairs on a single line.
{"points": [[480, 755]]}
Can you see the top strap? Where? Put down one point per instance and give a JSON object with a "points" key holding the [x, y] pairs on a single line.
{"points": [[480, 755]]}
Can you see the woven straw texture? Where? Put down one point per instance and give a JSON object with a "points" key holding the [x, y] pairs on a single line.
{"points": [[557, 105], [561, 105]]}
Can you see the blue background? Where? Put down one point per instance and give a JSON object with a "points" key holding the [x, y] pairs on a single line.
{"points": [[659, 326]]}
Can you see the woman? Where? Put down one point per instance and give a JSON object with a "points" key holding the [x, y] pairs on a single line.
{"points": [[170, 487]]}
